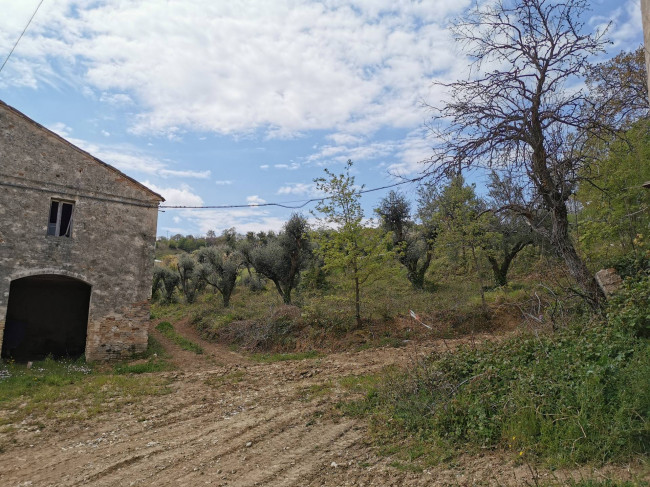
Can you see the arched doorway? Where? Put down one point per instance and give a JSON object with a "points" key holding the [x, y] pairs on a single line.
{"points": [[46, 315]]}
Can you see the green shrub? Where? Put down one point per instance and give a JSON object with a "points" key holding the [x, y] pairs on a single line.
{"points": [[581, 395], [630, 307]]}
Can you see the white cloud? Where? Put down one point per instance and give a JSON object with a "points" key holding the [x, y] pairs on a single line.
{"points": [[116, 99], [255, 200], [127, 158], [264, 166], [182, 196], [243, 219], [223, 182], [184, 174], [284, 67], [291, 167], [410, 153], [626, 28], [299, 189], [61, 129]]}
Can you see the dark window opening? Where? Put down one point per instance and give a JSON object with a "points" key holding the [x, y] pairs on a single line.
{"points": [[60, 222], [46, 315]]}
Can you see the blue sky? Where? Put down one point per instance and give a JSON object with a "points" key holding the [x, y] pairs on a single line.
{"points": [[214, 102]]}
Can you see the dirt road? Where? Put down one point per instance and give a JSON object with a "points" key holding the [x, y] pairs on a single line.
{"points": [[231, 422]]}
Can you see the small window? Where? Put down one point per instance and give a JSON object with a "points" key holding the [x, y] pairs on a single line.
{"points": [[60, 222]]}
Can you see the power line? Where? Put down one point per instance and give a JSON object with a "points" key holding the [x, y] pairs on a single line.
{"points": [[293, 205], [21, 34]]}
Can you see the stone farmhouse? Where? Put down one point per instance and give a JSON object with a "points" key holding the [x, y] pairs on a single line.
{"points": [[77, 243]]}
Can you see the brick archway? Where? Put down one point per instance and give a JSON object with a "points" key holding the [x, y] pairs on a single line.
{"points": [[47, 314]]}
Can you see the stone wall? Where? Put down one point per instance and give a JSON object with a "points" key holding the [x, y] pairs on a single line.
{"points": [[113, 231]]}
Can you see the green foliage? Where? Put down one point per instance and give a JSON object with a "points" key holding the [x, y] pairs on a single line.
{"points": [[167, 330], [414, 243], [220, 269], [186, 243], [282, 258], [619, 89], [165, 281], [191, 276], [630, 307], [509, 232], [581, 395], [615, 214], [361, 254]]}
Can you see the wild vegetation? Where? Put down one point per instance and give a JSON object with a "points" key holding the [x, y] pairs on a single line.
{"points": [[550, 370], [570, 382]]}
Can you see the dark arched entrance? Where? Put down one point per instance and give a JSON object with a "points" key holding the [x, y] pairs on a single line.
{"points": [[46, 315]]}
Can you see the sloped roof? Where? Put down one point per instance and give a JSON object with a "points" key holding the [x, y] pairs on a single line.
{"points": [[129, 179]]}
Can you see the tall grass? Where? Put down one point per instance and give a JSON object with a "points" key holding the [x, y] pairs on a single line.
{"points": [[579, 395]]}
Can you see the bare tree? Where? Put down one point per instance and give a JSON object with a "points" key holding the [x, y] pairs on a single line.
{"points": [[619, 88], [523, 111]]}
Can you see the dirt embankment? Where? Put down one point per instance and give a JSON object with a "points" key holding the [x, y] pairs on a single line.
{"points": [[231, 422]]}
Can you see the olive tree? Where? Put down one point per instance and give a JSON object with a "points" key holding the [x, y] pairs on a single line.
{"points": [[414, 242], [221, 266], [281, 258], [191, 276], [165, 280]]}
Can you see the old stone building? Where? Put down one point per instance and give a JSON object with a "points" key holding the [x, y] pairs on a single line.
{"points": [[76, 248]]}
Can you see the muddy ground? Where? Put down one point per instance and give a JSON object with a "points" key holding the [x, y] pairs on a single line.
{"points": [[231, 422]]}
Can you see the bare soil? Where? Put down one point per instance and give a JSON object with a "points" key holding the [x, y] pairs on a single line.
{"points": [[231, 422]]}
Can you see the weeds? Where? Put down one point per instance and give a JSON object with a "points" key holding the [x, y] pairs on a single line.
{"points": [[80, 390], [580, 395], [167, 330], [281, 357]]}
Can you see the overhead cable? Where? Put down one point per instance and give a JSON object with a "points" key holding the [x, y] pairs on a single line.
{"points": [[21, 34], [293, 205]]}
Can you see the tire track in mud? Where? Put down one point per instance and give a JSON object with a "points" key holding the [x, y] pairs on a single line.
{"points": [[219, 440], [196, 425], [232, 424]]}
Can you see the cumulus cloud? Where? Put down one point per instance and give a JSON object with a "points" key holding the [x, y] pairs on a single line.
{"points": [[255, 200], [284, 67], [181, 196]]}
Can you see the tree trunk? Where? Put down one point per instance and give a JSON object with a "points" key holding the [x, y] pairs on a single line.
{"points": [[498, 272], [501, 271], [357, 302], [564, 247], [286, 296], [278, 288]]}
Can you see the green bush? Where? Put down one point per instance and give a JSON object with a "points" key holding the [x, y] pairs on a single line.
{"points": [[630, 308], [581, 395]]}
